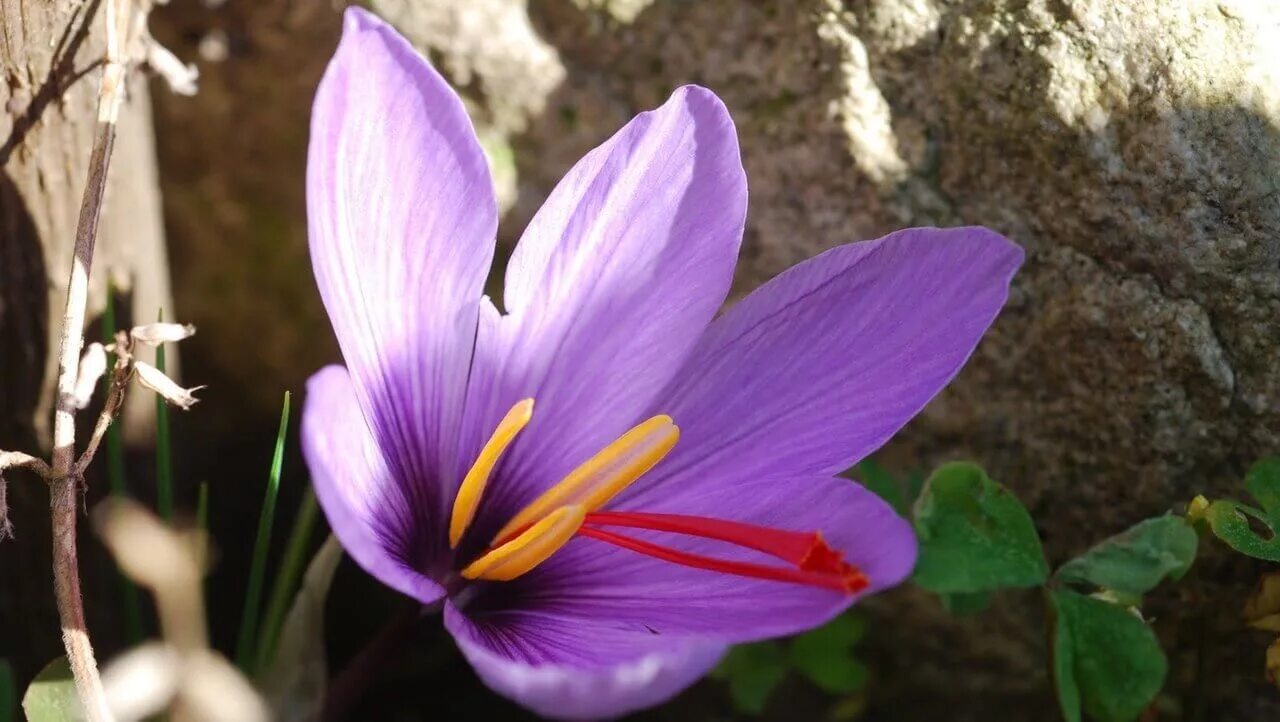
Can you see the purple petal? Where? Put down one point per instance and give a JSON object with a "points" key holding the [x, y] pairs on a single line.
{"points": [[589, 579], [820, 366], [610, 287], [402, 220], [567, 668], [366, 507]]}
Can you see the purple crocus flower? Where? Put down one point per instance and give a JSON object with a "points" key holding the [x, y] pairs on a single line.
{"points": [[607, 484]]}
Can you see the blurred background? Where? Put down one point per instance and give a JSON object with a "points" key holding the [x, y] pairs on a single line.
{"points": [[1131, 146]]}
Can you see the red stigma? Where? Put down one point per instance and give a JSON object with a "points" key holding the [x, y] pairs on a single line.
{"points": [[813, 562]]}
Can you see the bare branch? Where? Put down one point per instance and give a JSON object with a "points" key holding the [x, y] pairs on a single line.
{"points": [[115, 401], [19, 460], [65, 487]]}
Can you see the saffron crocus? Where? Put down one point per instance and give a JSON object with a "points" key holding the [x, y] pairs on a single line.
{"points": [[606, 484]]}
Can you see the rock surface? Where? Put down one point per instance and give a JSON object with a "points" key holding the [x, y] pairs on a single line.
{"points": [[1132, 146]]}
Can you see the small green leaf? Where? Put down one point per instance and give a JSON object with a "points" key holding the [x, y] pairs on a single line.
{"points": [[1106, 660], [1132, 563], [295, 678], [974, 535], [8, 692], [825, 655], [1064, 668], [1229, 520], [245, 658], [881, 483], [52, 695], [753, 672], [966, 603]]}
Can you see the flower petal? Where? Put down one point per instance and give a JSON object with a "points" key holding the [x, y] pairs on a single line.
{"points": [[566, 668], [610, 287], [402, 220], [374, 516], [820, 366], [588, 579]]}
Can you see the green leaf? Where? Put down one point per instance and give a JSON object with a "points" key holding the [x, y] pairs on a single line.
{"points": [[881, 483], [1106, 660], [825, 655], [164, 445], [974, 535], [286, 581], [258, 568], [753, 671], [294, 681], [1132, 563], [132, 601], [8, 693], [52, 695], [1064, 667], [966, 603], [1229, 520]]}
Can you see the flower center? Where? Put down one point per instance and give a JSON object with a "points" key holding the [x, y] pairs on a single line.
{"points": [[570, 508]]}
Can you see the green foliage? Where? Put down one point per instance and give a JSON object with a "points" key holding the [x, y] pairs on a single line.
{"points": [[245, 658], [294, 679], [286, 580], [1134, 562], [974, 535], [753, 671], [1106, 660], [132, 601], [899, 493], [825, 656], [52, 695], [8, 693], [1230, 520], [164, 447], [883, 484], [976, 539], [966, 603]]}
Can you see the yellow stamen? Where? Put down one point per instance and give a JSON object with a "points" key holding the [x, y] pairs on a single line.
{"points": [[468, 499], [604, 475], [529, 549]]}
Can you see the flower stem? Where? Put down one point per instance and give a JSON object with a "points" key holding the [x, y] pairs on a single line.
{"points": [[346, 689]]}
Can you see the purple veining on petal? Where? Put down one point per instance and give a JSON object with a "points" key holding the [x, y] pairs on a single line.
{"points": [[609, 288], [401, 222]]}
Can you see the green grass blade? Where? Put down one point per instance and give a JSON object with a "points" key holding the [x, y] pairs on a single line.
{"points": [[253, 595], [8, 693], [286, 581], [130, 599], [164, 451], [202, 508]]}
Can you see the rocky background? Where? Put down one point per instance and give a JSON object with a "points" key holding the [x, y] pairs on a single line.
{"points": [[1132, 146]]}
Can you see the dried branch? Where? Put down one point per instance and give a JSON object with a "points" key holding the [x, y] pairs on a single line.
{"points": [[19, 460], [127, 40], [66, 482], [115, 401]]}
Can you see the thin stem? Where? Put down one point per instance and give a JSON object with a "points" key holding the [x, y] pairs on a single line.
{"points": [[117, 383], [65, 488], [346, 689]]}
